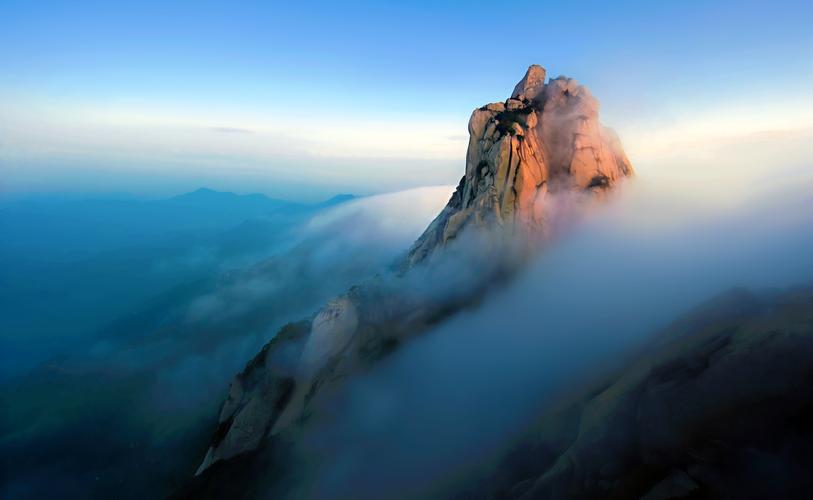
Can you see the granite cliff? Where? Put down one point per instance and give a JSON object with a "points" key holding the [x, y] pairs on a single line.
{"points": [[545, 140]]}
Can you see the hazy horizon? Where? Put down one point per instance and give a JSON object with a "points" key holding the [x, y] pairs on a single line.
{"points": [[220, 97]]}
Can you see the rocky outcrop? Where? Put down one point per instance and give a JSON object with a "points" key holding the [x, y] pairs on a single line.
{"points": [[532, 86], [546, 138], [720, 407]]}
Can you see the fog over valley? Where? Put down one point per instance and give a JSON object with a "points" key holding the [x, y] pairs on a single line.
{"points": [[391, 251]]}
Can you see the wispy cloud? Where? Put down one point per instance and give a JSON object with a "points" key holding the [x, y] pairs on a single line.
{"points": [[231, 130]]}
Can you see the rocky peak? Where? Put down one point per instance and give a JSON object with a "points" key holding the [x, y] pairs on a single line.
{"points": [[532, 84], [545, 138]]}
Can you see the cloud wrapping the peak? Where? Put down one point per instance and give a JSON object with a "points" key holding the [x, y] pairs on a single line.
{"points": [[449, 402]]}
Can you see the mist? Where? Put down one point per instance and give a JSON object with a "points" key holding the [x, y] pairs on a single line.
{"points": [[132, 407], [127, 410], [448, 404]]}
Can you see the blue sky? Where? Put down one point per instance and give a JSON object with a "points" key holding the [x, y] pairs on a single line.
{"points": [[306, 98]]}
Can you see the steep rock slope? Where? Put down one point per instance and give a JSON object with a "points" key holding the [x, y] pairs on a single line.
{"points": [[545, 139], [720, 407]]}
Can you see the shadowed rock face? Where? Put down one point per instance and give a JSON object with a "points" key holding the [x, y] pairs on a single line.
{"points": [[720, 407], [543, 140]]}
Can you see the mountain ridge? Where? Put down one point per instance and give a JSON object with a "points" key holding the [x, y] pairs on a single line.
{"points": [[523, 153]]}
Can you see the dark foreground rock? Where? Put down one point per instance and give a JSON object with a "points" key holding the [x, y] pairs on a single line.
{"points": [[720, 407]]}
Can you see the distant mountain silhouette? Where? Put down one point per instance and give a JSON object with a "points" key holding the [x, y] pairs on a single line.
{"points": [[209, 196], [339, 198]]}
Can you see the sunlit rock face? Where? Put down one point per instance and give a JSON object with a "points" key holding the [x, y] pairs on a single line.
{"points": [[544, 139], [532, 85]]}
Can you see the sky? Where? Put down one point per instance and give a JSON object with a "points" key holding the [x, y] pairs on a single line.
{"points": [[301, 100]]}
